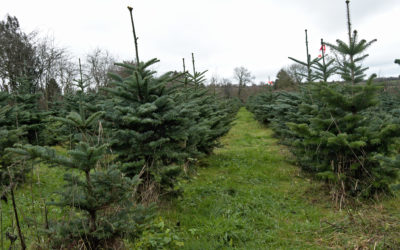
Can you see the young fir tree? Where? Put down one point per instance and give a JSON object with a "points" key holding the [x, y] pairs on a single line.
{"points": [[97, 193], [309, 63], [352, 54], [212, 117], [325, 69], [149, 127], [343, 136], [98, 196], [279, 108], [343, 141], [79, 99], [157, 124], [10, 133], [197, 78], [26, 111], [339, 135], [12, 172]]}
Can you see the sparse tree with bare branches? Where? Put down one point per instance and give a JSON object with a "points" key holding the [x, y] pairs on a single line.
{"points": [[98, 64], [243, 76]]}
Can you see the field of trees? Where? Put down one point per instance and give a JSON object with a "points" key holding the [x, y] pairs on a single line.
{"points": [[99, 154]]}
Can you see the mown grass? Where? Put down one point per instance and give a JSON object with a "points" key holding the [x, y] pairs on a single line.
{"points": [[248, 195]]}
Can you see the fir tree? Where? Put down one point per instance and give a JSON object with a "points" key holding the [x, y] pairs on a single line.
{"points": [[98, 194], [156, 125], [210, 117], [352, 54], [343, 136], [197, 78], [309, 63], [12, 172], [283, 80], [325, 69], [213, 120], [342, 141], [150, 125], [147, 126]]}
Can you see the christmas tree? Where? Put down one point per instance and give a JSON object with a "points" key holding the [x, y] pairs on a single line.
{"points": [[309, 63], [351, 54], [324, 68], [96, 193], [343, 140]]}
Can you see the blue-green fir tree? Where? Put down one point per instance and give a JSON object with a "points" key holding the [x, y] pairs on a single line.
{"points": [[351, 54], [96, 194]]}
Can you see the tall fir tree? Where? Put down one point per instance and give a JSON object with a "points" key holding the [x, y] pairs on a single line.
{"points": [[324, 68], [308, 63], [149, 126], [157, 123], [97, 194], [343, 141], [351, 54], [197, 78]]}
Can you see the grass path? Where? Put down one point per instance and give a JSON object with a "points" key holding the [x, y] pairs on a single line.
{"points": [[248, 196]]}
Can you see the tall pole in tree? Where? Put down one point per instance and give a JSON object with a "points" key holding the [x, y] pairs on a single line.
{"points": [[194, 71], [348, 19], [308, 63], [193, 62], [350, 40], [308, 60], [21, 236], [323, 59], [184, 71], [134, 35], [81, 111], [1, 225]]}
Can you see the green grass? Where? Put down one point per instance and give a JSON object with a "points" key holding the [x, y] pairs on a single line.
{"points": [[31, 198], [247, 195]]}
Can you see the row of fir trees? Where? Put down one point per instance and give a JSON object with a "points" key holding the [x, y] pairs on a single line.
{"points": [[122, 146], [344, 133]]}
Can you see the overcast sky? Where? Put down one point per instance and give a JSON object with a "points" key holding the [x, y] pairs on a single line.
{"points": [[223, 34]]}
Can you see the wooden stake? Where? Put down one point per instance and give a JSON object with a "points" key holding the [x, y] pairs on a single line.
{"points": [[134, 35]]}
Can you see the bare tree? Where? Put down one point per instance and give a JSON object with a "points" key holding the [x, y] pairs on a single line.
{"points": [[244, 77], [214, 82], [297, 72], [98, 63], [227, 87], [49, 57], [68, 71]]}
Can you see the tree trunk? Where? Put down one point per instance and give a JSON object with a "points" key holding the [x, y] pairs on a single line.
{"points": [[21, 237]]}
